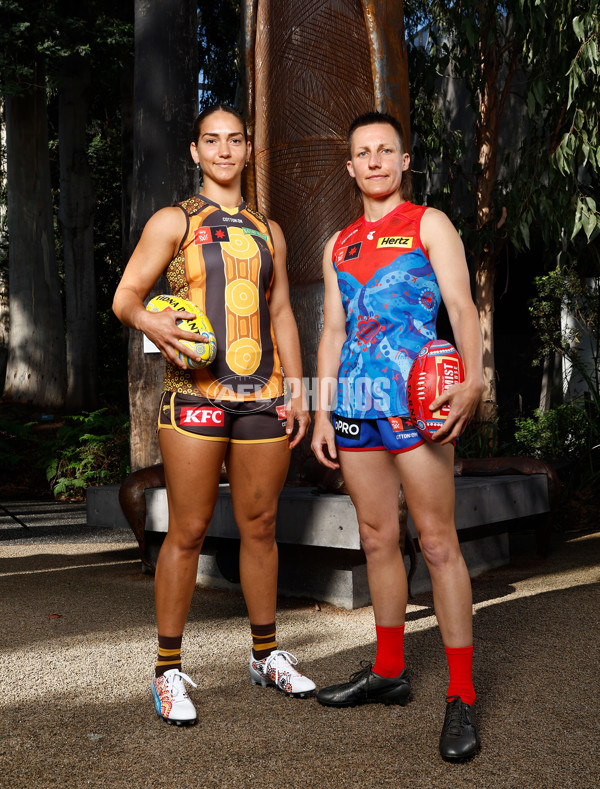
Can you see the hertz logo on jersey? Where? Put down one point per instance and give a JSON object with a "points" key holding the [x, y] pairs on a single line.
{"points": [[405, 242]]}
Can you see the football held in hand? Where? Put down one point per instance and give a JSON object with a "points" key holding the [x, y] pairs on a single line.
{"points": [[199, 325]]}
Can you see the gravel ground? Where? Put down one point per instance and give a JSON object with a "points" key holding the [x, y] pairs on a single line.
{"points": [[78, 648]]}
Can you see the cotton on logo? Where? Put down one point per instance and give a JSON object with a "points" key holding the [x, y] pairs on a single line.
{"points": [[213, 417], [281, 412]]}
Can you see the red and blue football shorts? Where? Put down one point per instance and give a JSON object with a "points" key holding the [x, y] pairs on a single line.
{"points": [[392, 433]]}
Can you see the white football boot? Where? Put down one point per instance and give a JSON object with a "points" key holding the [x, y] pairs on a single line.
{"points": [[171, 699], [278, 670]]}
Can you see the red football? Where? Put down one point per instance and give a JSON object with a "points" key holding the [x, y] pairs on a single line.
{"points": [[437, 367]]}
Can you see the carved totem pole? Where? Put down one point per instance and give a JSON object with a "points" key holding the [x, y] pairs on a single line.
{"points": [[310, 68]]}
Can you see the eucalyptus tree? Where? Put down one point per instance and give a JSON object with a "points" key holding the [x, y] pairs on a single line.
{"points": [[81, 49], [165, 100], [36, 365], [524, 160]]}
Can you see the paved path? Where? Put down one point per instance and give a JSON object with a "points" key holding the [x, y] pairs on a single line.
{"points": [[78, 647]]}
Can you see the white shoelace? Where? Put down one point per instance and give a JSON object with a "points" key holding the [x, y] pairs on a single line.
{"points": [[290, 661], [175, 682]]}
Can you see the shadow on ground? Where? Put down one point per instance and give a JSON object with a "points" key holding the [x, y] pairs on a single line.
{"points": [[79, 646]]}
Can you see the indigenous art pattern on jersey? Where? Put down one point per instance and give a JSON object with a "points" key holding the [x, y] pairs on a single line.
{"points": [[225, 266], [391, 298]]}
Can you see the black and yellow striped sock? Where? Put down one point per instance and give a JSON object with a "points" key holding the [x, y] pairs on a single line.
{"points": [[169, 654], [263, 640]]}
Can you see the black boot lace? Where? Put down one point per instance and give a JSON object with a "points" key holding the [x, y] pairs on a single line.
{"points": [[365, 668], [456, 716]]}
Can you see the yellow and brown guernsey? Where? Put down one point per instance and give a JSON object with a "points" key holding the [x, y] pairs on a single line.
{"points": [[225, 266]]}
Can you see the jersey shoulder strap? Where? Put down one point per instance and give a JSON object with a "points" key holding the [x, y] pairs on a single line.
{"points": [[192, 206]]}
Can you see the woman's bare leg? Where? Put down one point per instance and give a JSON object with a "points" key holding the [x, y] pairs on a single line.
{"points": [[192, 470], [427, 474], [256, 474], [373, 483]]}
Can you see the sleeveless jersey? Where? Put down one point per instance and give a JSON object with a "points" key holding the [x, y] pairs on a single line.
{"points": [[391, 298], [224, 265]]}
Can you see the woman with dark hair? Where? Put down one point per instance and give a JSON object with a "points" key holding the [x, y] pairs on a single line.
{"points": [[385, 276], [230, 261]]}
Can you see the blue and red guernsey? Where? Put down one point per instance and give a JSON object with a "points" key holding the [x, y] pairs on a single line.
{"points": [[391, 298]]}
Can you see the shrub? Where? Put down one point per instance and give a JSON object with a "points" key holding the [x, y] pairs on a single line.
{"points": [[559, 433], [89, 449]]}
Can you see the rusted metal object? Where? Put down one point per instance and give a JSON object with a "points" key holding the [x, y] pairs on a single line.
{"points": [[248, 38], [389, 60], [132, 499], [482, 467]]}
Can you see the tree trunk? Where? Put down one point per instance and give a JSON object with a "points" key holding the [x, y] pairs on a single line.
{"points": [[4, 325], [485, 276], [36, 369], [496, 78], [551, 389], [486, 137], [76, 217], [165, 104], [4, 322], [310, 69]]}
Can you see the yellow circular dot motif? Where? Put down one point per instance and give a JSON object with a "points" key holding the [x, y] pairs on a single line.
{"points": [[241, 297], [240, 245], [243, 356]]}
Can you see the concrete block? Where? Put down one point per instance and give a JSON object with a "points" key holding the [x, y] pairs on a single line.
{"points": [[319, 546], [103, 508]]}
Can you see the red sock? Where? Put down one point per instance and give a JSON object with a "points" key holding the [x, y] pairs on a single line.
{"points": [[390, 651], [460, 663]]}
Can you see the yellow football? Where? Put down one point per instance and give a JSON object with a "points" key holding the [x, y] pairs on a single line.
{"points": [[200, 325]]}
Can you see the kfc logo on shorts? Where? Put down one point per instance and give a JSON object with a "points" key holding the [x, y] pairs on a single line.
{"points": [[281, 412], [210, 235], [211, 417], [346, 428]]}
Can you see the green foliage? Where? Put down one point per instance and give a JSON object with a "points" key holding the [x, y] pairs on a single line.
{"points": [[63, 454], [565, 291], [559, 164], [90, 449], [477, 440], [568, 435], [563, 432], [543, 61], [571, 430]]}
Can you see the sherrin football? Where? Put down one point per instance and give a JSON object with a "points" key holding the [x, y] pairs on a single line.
{"points": [[200, 324], [437, 367]]}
